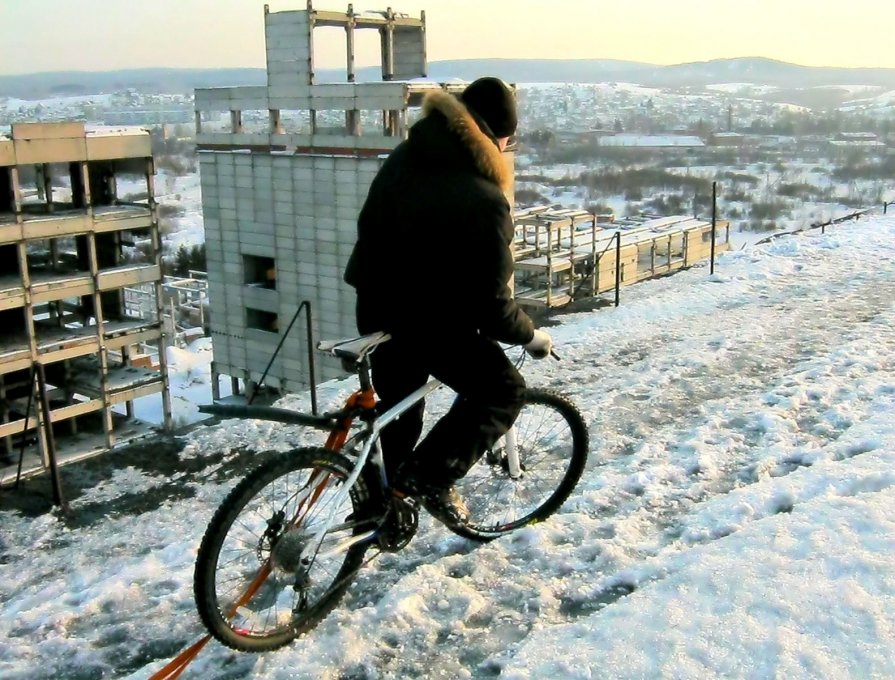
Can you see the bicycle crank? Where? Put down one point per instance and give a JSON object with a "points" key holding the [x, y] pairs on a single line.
{"points": [[398, 526]]}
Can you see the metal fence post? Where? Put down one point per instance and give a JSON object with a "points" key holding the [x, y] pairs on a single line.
{"points": [[714, 222], [306, 305], [618, 264]]}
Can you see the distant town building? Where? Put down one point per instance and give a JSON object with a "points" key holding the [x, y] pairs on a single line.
{"points": [[856, 137], [148, 116], [846, 144], [634, 141], [734, 139]]}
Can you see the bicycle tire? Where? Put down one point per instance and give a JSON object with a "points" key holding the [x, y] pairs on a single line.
{"points": [[490, 493], [242, 541]]}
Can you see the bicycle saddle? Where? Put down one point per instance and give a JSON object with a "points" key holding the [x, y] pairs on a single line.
{"points": [[354, 349]]}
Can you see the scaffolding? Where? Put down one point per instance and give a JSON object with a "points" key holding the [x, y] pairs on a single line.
{"points": [[68, 254]]}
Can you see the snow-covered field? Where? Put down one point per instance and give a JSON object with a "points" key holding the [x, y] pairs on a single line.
{"points": [[734, 520]]}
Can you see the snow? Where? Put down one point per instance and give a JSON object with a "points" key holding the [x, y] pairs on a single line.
{"points": [[55, 103], [744, 89], [189, 376], [734, 519]]}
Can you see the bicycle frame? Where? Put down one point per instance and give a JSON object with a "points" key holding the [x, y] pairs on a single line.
{"points": [[365, 398], [339, 425], [337, 438]]}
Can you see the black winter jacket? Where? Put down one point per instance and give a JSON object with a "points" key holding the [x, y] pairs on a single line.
{"points": [[433, 259]]}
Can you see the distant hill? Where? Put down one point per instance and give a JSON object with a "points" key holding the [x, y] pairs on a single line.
{"points": [[159, 80], [757, 70]]}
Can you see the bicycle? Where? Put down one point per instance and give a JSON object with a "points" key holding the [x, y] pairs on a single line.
{"points": [[287, 541]]}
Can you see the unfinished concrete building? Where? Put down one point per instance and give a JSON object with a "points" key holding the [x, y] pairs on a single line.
{"points": [[285, 169], [72, 243], [566, 255]]}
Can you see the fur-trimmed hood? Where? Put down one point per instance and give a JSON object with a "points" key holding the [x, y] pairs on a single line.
{"points": [[487, 156]]}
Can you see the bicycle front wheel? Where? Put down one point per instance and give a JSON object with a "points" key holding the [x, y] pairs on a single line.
{"points": [[552, 442], [253, 591]]}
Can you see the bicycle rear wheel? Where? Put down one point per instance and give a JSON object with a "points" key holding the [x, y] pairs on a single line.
{"points": [[552, 441], [251, 589]]}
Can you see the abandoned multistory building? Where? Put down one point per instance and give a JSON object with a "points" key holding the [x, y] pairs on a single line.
{"points": [[285, 168], [74, 354]]}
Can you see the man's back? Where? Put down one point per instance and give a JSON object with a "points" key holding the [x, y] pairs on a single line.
{"points": [[434, 233], [431, 267]]}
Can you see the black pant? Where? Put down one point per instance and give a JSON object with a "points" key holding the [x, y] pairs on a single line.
{"points": [[490, 392]]}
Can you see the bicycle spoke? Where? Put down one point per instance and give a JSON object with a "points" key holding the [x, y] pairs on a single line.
{"points": [[253, 586], [550, 442]]}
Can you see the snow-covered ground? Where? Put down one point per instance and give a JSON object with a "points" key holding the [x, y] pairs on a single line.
{"points": [[185, 195], [734, 519], [189, 377]]}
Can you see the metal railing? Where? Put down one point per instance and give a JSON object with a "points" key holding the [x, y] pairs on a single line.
{"points": [[305, 305], [595, 269]]}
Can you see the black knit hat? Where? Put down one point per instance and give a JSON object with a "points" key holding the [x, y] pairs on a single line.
{"points": [[493, 101]]}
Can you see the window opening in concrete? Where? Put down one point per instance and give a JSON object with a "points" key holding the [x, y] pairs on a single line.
{"points": [[262, 320], [368, 55], [330, 45], [136, 246], [51, 187], [255, 121], [7, 200], [124, 180], [295, 122], [14, 389], [329, 122], [9, 262], [13, 336], [215, 121], [58, 256], [259, 272]]}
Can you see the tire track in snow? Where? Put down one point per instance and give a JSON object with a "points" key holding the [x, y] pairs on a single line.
{"points": [[694, 402], [689, 411], [716, 380]]}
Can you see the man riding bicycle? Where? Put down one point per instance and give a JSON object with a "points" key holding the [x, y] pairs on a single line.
{"points": [[431, 267]]}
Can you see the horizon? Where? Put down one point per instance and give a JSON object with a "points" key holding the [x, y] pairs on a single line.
{"points": [[435, 61], [802, 32], [469, 59]]}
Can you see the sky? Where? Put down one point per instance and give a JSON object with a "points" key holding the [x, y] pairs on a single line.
{"points": [[53, 35], [734, 519]]}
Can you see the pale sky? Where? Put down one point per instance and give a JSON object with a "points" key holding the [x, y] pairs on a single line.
{"points": [[102, 35]]}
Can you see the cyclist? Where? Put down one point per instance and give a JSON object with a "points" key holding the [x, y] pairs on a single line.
{"points": [[431, 267]]}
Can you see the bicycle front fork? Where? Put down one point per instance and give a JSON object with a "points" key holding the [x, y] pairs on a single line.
{"points": [[514, 466]]}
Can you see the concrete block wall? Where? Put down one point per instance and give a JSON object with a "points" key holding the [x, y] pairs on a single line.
{"points": [[297, 209], [288, 38], [409, 53], [300, 211]]}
